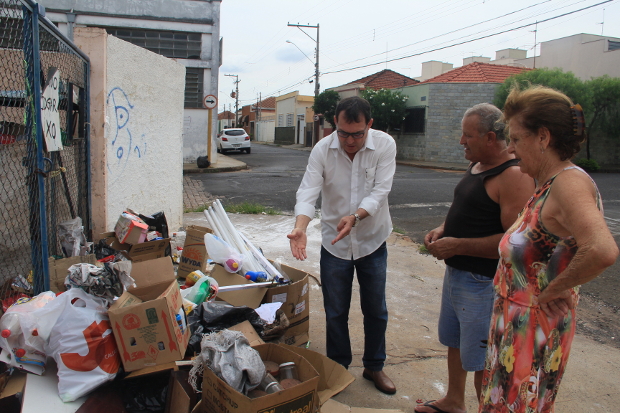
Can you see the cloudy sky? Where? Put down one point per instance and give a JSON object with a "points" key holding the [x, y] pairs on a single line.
{"points": [[362, 37]]}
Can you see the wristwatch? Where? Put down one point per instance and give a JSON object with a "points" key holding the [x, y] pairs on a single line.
{"points": [[357, 219]]}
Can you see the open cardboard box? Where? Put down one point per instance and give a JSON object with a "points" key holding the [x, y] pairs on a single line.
{"points": [[332, 377], [59, 269], [219, 397], [194, 255], [139, 252], [144, 318], [294, 297]]}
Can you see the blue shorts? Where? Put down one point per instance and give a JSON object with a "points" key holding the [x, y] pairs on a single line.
{"points": [[465, 317]]}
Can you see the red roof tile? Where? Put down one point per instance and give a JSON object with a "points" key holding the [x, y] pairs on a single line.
{"points": [[225, 115], [385, 79], [477, 72], [270, 102]]}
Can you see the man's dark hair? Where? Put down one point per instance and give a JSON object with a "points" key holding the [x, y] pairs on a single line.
{"points": [[353, 107]]}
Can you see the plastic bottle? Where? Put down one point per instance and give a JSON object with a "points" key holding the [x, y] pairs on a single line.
{"points": [[9, 326], [199, 290], [256, 276]]}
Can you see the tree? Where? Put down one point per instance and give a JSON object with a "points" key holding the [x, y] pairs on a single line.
{"points": [[599, 97], [325, 103], [388, 108], [604, 106], [565, 82]]}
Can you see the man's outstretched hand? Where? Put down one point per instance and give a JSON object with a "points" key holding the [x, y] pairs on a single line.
{"points": [[298, 241]]}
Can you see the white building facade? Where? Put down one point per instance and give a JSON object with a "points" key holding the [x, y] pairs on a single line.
{"points": [[187, 31]]}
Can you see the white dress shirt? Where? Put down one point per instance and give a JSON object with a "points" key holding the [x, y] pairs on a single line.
{"points": [[346, 185]]}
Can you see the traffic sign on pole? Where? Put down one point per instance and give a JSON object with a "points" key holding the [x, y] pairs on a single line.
{"points": [[210, 101]]}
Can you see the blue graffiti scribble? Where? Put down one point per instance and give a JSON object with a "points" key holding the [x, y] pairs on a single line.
{"points": [[123, 138]]}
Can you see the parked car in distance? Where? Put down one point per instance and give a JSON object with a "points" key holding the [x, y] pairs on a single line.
{"points": [[233, 139]]}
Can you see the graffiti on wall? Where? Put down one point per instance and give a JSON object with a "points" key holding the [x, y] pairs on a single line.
{"points": [[125, 144]]}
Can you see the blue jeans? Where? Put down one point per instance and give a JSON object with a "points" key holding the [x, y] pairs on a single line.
{"points": [[337, 282]]}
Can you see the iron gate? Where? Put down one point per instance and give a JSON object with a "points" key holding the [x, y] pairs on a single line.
{"points": [[42, 75]]}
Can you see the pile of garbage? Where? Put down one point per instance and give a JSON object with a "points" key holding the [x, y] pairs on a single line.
{"points": [[125, 307]]}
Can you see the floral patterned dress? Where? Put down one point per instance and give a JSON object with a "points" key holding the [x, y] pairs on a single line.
{"points": [[527, 351]]}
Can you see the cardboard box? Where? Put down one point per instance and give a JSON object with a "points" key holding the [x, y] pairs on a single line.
{"points": [[219, 397], [251, 297], [144, 318], [139, 252], [295, 299], [130, 229], [194, 255], [59, 269], [182, 397]]}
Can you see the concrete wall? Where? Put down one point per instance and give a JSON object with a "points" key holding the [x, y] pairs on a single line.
{"points": [[144, 122], [285, 135], [604, 150], [136, 130], [195, 122], [447, 102]]}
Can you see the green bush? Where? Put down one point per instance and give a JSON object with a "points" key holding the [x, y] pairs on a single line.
{"points": [[589, 165]]}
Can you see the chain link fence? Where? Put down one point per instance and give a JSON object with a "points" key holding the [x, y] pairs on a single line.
{"points": [[43, 107]]}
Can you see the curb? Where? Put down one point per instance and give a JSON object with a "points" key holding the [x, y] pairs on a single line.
{"points": [[438, 166], [187, 171]]}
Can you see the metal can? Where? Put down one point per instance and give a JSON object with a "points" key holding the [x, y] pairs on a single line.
{"points": [[288, 370]]}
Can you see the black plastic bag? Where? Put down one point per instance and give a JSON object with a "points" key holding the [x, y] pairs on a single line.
{"points": [[156, 222], [211, 317], [147, 394], [203, 162]]}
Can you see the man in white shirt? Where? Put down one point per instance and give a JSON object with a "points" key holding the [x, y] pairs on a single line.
{"points": [[353, 169]]}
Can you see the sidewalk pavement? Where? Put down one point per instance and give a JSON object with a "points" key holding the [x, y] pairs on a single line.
{"points": [[416, 361]]}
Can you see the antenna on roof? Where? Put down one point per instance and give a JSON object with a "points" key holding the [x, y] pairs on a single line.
{"points": [[602, 23]]}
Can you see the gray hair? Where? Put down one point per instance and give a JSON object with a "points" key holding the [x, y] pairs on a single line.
{"points": [[489, 116]]}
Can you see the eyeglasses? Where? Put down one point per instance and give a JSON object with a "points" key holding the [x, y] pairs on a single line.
{"points": [[354, 135]]}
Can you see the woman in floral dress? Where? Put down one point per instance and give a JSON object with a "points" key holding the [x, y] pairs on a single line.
{"points": [[559, 242]]}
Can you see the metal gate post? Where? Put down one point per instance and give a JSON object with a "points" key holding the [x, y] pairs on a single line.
{"points": [[41, 281]]}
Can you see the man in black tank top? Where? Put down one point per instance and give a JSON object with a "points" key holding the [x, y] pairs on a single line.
{"points": [[486, 203]]}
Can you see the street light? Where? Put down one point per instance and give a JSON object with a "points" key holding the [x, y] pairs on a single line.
{"points": [[288, 41], [316, 68]]}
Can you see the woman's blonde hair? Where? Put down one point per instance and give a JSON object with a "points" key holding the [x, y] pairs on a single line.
{"points": [[540, 106]]}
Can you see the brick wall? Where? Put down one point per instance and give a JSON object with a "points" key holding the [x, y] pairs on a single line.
{"points": [[447, 102]]}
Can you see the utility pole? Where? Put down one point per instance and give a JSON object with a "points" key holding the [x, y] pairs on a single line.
{"points": [[236, 97], [316, 72]]}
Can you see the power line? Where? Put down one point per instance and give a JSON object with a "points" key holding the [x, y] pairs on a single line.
{"points": [[453, 31], [467, 41]]}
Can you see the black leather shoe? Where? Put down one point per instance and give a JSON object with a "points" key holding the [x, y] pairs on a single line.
{"points": [[381, 380]]}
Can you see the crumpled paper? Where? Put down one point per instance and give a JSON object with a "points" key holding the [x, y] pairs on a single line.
{"points": [[107, 282]]}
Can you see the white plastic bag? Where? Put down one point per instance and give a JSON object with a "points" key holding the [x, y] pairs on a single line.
{"points": [[222, 253], [82, 344], [22, 334]]}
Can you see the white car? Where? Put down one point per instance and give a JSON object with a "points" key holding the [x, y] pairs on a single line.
{"points": [[233, 139]]}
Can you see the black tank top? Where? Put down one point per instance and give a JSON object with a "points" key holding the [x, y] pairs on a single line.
{"points": [[474, 214]]}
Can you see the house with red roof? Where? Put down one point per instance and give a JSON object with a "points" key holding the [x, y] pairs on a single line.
{"points": [[225, 119], [385, 79], [432, 128]]}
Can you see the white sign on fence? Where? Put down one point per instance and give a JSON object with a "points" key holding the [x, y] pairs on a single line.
{"points": [[49, 111]]}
